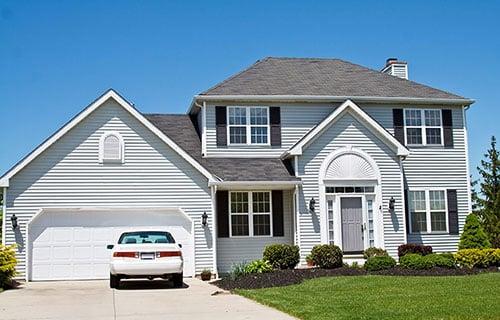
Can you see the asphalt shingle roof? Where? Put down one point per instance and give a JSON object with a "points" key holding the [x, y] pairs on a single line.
{"points": [[321, 77], [182, 131]]}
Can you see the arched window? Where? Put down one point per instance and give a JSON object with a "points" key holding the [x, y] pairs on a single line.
{"points": [[111, 148]]}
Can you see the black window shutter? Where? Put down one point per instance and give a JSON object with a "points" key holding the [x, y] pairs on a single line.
{"points": [[278, 223], [447, 128], [452, 211], [221, 124], [398, 123], [222, 214], [407, 212], [275, 121]]}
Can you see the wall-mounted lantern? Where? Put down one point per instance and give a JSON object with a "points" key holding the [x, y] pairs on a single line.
{"points": [[392, 202], [312, 204], [204, 218], [13, 220]]}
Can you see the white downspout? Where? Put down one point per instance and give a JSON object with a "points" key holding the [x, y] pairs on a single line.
{"points": [[297, 203], [213, 190]]}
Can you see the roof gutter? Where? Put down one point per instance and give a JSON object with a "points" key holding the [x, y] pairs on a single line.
{"points": [[314, 98], [253, 184]]}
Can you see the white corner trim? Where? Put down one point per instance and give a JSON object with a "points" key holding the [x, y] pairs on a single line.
{"points": [[353, 109], [204, 129], [86, 112], [467, 163], [120, 141], [4, 215]]}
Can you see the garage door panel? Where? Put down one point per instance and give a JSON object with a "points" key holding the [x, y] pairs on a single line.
{"points": [[66, 246]]}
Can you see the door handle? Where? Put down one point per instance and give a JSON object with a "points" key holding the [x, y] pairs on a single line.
{"points": [[362, 228]]}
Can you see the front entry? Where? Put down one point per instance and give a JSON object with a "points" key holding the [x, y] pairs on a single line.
{"points": [[351, 210]]}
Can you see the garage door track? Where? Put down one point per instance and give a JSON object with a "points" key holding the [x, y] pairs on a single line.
{"points": [[135, 300]]}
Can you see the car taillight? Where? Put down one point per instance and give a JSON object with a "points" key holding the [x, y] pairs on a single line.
{"points": [[119, 254], [164, 254]]}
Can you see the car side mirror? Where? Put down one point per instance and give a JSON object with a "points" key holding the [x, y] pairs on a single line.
{"points": [[110, 246], [180, 245]]}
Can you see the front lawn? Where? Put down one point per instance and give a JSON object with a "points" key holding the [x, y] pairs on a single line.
{"points": [[387, 297]]}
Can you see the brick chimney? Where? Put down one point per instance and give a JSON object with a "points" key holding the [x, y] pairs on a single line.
{"points": [[396, 68]]}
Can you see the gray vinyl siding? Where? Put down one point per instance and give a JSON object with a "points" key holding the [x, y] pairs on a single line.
{"points": [[349, 131], [231, 251], [68, 174], [296, 121], [441, 168]]}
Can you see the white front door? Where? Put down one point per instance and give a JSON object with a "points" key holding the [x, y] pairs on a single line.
{"points": [[72, 245]]}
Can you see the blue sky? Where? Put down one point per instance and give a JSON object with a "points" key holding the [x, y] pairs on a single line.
{"points": [[57, 56]]}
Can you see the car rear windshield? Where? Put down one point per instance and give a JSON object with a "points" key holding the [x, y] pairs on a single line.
{"points": [[146, 237]]}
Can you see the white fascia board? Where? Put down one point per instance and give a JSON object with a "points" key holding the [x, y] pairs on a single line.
{"points": [[4, 181], [315, 98], [351, 107]]}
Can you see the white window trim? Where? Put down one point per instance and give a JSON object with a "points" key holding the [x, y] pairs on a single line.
{"points": [[101, 148], [422, 128], [428, 211], [250, 214], [248, 127]]}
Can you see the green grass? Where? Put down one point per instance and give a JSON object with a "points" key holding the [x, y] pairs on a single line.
{"points": [[387, 297]]}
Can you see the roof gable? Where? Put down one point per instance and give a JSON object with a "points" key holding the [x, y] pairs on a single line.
{"points": [[110, 94], [321, 77], [351, 108]]}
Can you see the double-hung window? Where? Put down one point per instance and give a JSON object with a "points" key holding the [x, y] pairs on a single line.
{"points": [[250, 213], [423, 127], [248, 125], [427, 211]]}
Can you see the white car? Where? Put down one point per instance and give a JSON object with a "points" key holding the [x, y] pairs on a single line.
{"points": [[146, 254]]}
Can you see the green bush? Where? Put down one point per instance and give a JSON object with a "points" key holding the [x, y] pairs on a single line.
{"points": [[415, 261], [473, 236], [8, 263], [327, 256], [258, 266], [441, 260], [479, 258], [375, 263], [374, 252], [282, 256], [238, 270]]}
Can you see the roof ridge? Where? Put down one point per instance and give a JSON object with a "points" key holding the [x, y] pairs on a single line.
{"points": [[236, 75], [165, 114]]}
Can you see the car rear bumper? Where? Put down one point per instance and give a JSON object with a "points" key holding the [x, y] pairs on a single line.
{"points": [[146, 268]]}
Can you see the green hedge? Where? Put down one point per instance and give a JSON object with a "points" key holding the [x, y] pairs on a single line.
{"points": [[326, 256], [282, 256], [418, 262], [8, 263], [374, 252], [376, 263], [479, 258]]}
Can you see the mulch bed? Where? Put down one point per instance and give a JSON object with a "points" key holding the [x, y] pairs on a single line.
{"points": [[288, 277]]}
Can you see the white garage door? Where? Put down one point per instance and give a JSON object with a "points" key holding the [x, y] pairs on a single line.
{"points": [[71, 244]]}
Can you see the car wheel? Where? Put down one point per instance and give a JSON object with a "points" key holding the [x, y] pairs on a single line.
{"points": [[177, 279], [114, 281]]}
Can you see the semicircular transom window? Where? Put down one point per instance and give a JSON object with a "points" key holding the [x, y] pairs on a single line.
{"points": [[112, 148], [350, 166]]}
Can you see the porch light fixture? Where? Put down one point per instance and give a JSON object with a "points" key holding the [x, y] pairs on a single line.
{"points": [[13, 220], [204, 218], [312, 203], [392, 201]]}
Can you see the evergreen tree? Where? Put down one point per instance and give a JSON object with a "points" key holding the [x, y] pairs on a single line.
{"points": [[489, 198], [473, 235]]}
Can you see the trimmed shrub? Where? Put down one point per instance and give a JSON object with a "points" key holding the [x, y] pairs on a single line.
{"points": [[327, 256], [374, 252], [473, 236], [376, 263], [478, 258], [282, 256], [441, 260], [8, 263], [422, 250], [415, 261], [258, 266]]}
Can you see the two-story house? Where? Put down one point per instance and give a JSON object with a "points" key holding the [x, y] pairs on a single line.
{"points": [[299, 151]]}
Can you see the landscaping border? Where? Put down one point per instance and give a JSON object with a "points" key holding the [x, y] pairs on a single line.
{"points": [[280, 278]]}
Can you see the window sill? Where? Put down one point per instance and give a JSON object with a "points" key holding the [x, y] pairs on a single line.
{"points": [[430, 233]]}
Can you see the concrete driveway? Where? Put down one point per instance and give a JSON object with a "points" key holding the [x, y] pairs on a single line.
{"points": [[135, 300]]}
